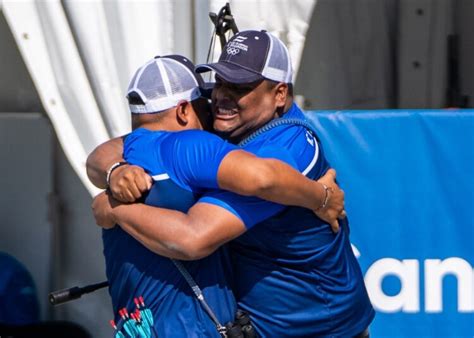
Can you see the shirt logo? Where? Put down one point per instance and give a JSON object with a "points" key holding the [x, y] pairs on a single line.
{"points": [[309, 138]]}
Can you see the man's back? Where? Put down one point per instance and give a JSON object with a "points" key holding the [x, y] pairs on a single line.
{"points": [[134, 271]]}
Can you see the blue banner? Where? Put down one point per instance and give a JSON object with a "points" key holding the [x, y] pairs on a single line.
{"points": [[408, 178]]}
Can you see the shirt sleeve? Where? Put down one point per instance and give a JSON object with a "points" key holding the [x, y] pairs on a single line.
{"points": [[193, 158], [250, 210]]}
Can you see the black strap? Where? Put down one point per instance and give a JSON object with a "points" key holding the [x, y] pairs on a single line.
{"points": [[200, 296]]}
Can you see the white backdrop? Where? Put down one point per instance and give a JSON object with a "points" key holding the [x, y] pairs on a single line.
{"points": [[81, 54]]}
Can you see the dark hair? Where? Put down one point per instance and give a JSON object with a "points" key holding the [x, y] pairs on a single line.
{"points": [[134, 98]]}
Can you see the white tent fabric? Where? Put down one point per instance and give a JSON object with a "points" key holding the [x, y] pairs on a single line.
{"points": [[81, 54], [50, 54], [115, 38], [94, 41]]}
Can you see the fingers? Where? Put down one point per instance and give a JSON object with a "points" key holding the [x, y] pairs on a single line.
{"points": [[138, 184], [149, 182], [337, 199], [335, 226], [329, 178], [132, 192], [128, 183], [143, 182], [343, 214], [101, 210], [331, 172], [95, 201]]}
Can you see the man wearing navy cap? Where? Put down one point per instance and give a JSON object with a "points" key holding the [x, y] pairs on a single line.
{"points": [[294, 276]]}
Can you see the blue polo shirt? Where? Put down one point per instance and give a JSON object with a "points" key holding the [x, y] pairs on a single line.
{"points": [[182, 164], [294, 276]]}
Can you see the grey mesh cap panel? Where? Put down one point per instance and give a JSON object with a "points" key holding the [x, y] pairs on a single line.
{"points": [[151, 83], [278, 66], [132, 87], [162, 83]]}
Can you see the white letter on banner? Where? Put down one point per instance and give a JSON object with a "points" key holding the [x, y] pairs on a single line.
{"points": [[435, 270], [408, 299]]}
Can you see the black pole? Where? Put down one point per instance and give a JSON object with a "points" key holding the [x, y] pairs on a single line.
{"points": [[66, 295]]}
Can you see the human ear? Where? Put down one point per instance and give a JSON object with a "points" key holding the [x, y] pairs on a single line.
{"points": [[281, 94], [182, 113]]}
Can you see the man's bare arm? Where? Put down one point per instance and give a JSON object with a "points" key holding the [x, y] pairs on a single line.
{"points": [[171, 233], [100, 160], [273, 180]]}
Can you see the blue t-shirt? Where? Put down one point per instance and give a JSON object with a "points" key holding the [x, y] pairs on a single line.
{"points": [[294, 276], [182, 164]]}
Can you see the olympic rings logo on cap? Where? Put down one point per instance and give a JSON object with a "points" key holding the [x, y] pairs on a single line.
{"points": [[232, 51]]}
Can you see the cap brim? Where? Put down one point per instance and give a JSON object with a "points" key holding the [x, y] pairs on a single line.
{"points": [[206, 89], [230, 72]]}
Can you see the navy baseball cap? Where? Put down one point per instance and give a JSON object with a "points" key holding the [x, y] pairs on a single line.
{"points": [[250, 56], [164, 81]]}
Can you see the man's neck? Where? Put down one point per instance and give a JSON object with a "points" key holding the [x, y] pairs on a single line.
{"points": [[150, 126], [288, 104], [164, 125], [165, 120]]}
